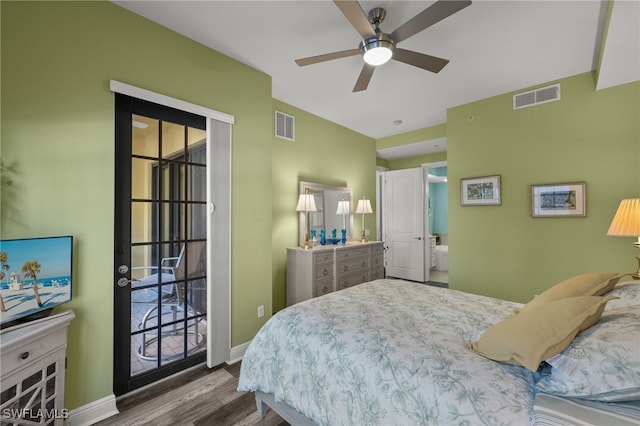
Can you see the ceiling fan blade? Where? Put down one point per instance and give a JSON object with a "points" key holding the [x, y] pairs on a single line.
{"points": [[364, 78], [327, 57], [420, 60], [356, 16], [431, 15]]}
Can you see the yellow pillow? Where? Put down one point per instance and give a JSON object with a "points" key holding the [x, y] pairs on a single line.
{"points": [[590, 284], [529, 337]]}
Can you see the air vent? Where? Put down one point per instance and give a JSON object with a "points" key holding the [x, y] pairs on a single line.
{"points": [[285, 126], [536, 97]]}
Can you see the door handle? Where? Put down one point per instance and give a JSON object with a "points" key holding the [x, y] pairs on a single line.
{"points": [[417, 238], [123, 282]]}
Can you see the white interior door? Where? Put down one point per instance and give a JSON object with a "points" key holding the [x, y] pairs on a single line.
{"points": [[404, 224]]}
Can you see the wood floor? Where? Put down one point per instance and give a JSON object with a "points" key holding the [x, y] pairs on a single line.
{"points": [[199, 396]]}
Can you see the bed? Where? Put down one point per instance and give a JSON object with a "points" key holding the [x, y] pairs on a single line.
{"points": [[391, 352]]}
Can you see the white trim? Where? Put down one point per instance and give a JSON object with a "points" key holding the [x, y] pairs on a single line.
{"points": [[219, 151], [147, 95], [237, 352], [93, 412]]}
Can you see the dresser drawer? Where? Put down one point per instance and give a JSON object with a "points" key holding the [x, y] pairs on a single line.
{"points": [[323, 287], [26, 354], [346, 266], [352, 252], [323, 270], [377, 261], [377, 273], [377, 249], [349, 280], [322, 257]]}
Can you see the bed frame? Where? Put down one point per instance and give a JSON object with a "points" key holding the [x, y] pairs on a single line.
{"points": [[264, 401]]}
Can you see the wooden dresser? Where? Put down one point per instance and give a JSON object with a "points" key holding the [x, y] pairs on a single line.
{"points": [[323, 269]]}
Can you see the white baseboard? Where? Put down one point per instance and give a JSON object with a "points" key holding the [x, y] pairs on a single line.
{"points": [[94, 411], [237, 352]]}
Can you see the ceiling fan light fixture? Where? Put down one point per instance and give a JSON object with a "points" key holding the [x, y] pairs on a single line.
{"points": [[377, 51]]}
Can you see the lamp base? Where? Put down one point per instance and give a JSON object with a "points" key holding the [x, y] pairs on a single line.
{"points": [[364, 238]]}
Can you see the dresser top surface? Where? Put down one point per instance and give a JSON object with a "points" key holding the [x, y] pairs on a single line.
{"points": [[329, 247]]}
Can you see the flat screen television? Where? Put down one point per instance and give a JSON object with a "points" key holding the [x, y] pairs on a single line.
{"points": [[35, 277]]}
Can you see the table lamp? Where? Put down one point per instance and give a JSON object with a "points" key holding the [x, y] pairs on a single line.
{"points": [[626, 223], [364, 207], [306, 204]]}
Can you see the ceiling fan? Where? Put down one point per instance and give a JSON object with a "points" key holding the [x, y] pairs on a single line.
{"points": [[377, 47]]}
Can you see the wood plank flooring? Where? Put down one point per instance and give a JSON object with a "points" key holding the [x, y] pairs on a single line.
{"points": [[198, 396]]}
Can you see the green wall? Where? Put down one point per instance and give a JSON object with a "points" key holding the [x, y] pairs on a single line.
{"points": [[325, 153], [58, 141], [591, 136]]}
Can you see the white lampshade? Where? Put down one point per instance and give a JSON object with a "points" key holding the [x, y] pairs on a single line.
{"points": [[343, 207], [306, 203], [364, 207]]}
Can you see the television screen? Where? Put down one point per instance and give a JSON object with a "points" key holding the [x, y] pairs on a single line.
{"points": [[35, 276]]}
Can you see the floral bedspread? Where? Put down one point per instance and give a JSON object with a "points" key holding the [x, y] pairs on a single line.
{"points": [[388, 352]]}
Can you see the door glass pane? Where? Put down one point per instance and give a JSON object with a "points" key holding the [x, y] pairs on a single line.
{"points": [[143, 226], [143, 178], [144, 134], [172, 140]]}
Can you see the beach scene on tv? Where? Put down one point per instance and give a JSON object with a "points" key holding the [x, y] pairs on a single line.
{"points": [[35, 275]]}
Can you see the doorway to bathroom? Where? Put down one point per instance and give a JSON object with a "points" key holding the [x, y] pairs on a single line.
{"points": [[437, 221]]}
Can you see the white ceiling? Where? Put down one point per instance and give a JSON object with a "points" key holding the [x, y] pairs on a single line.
{"points": [[494, 47]]}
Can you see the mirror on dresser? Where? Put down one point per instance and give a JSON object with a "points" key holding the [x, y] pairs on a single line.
{"points": [[326, 198]]}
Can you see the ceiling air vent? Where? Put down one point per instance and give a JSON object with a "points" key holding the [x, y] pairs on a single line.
{"points": [[285, 126], [536, 97]]}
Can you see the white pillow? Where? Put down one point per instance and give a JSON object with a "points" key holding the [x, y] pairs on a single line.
{"points": [[628, 293], [602, 363]]}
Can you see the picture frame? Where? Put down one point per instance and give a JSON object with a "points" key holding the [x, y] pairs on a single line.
{"points": [[480, 191], [559, 200]]}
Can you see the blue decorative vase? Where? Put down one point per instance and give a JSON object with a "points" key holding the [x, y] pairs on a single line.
{"points": [[323, 237], [344, 236]]}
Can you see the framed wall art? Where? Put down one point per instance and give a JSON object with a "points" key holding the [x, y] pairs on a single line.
{"points": [[480, 191], [559, 200]]}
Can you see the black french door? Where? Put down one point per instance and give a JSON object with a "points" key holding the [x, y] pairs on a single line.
{"points": [[160, 242]]}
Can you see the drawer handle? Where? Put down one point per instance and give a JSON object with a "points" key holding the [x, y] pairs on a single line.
{"points": [[345, 284], [24, 355], [325, 272], [325, 289], [364, 264], [346, 268], [376, 261]]}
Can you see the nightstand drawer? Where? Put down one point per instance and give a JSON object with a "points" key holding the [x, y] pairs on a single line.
{"points": [[352, 265]]}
